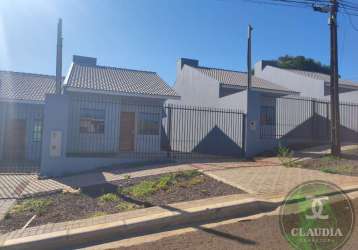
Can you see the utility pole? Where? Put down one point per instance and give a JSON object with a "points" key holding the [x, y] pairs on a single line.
{"points": [[249, 71], [334, 89], [248, 94], [59, 58], [332, 9]]}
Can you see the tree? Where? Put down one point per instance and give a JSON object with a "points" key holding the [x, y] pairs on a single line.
{"points": [[301, 63]]}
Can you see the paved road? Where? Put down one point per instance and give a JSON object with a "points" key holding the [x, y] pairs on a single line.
{"points": [[262, 234]]}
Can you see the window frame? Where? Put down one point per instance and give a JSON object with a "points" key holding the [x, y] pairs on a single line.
{"points": [[267, 115], [37, 130], [155, 130], [85, 117]]}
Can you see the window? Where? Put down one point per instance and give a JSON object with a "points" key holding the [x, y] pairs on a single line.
{"points": [[92, 121], [37, 132], [267, 115], [148, 124]]}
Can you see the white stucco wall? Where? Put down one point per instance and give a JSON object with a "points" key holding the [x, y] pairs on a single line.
{"points": [[304, 85]]}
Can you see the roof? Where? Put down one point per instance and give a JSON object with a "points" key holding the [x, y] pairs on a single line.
{"points": [[25, 86], [324, 77], [236, 78], [117, 80]]}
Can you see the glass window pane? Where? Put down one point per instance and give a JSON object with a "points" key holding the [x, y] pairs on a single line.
{"points": [[148, 124], [92, 121]]}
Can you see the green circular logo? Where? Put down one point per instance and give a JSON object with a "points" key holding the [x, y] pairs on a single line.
{"points": [[317, 215]]}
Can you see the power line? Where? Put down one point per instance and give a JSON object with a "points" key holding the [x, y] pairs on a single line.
{"points": [[350, 20]]}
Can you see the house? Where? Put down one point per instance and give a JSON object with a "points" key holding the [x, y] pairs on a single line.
{"points": [[308, 84], [22, 97], [111, 110], [221, 88], [114, 109]]}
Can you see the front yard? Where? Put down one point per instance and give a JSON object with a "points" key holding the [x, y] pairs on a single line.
{"points": [[109, 198]]}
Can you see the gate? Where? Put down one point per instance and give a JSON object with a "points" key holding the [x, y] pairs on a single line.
{"points": [[190, 132], [306, 120]]}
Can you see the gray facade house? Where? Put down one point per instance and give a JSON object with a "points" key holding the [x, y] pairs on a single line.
{"points": [[308, 84], [220, 88], [227, 90], [114, 109], [22, 97]]}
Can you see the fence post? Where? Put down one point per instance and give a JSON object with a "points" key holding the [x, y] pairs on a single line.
{"points": [[328, 122], [313, 127], [169, 130], [243, 124]]}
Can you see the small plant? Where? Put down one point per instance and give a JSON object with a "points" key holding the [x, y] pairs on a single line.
{"points": [[126, 206], [164, 182], [329, 170], [109, 197], [126, 176], [285, 155], [141, 189], [189, 174], [38, 206]]}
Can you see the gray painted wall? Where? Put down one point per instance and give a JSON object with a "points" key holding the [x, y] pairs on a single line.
{"points": [[108, 142], [195, 88], [304, 85]]}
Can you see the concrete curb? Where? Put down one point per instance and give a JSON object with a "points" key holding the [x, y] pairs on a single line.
{"points": [[153, 220]]}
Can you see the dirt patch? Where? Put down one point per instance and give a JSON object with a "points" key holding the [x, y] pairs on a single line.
{"points": [[114, 197], [347, 164]]}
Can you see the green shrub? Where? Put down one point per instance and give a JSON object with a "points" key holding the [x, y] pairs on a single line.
{"points": [[109, 197], [38, 206]]}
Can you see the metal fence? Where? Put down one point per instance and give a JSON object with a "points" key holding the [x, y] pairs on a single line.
{"points": [[306, 119], [20, 137], [126, 128], [189, 131]]}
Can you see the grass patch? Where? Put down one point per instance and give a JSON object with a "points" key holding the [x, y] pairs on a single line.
{"points": [[165, 182], [109, 197], [140, 190], [37, 206], [339, 169]]}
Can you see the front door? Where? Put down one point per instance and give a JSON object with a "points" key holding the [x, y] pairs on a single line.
{"points": [[127, 131], [15, 140]]}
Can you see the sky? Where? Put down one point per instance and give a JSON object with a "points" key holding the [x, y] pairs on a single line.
{"points": [[152, 34]]}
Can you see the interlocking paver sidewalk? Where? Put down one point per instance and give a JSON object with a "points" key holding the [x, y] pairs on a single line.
{"points": [[274, 180]]}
